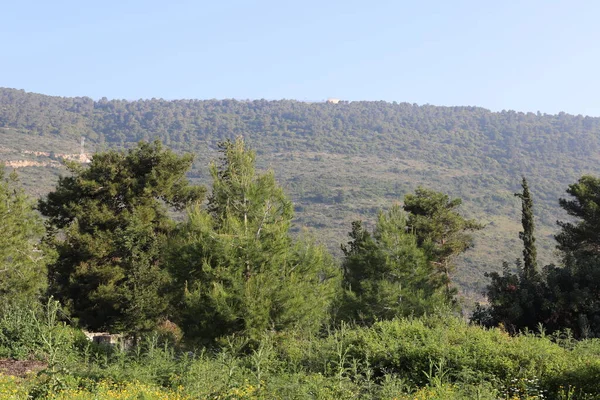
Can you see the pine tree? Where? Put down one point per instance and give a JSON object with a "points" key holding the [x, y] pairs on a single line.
{"points": [[574, 293], [386, 274], [23, 257], [581, 237], [440, 230], [235, 264], [108, 223]]}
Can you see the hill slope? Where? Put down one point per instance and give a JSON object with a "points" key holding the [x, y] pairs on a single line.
{"points": [[342, 161]]}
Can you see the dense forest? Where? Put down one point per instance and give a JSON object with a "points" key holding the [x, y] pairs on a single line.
{"points": [[338, 162], [208, 294]]}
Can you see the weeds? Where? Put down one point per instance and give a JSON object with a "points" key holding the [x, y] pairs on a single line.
{"points": [[427, 358]]}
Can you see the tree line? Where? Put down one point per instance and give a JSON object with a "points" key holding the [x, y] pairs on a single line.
{"points": [[128, 244], [555, 297]]}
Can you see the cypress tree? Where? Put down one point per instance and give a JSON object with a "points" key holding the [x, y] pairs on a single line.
{"points": [[527, 235], [517, 300]]}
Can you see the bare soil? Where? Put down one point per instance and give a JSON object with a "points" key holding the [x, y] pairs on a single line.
{"points": [[20, 368]]}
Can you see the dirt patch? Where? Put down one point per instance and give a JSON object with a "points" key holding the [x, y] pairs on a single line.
{"points": [[20, 368]]}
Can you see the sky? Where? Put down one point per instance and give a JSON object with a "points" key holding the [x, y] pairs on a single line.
{"points": [[526, 55]]}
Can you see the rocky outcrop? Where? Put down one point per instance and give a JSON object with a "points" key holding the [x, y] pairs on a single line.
{"points": [[28, 163]]}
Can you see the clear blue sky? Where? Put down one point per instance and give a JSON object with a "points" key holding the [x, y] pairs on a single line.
{"points": [[523, 55]]}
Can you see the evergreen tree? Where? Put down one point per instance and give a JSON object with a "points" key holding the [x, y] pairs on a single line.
{"points": [[236, 265], [440, 229], [23, 257], [108, 223], [581, 238], [573, 292], [530, 270], [518, 300], [504, 302], [386, 274]]}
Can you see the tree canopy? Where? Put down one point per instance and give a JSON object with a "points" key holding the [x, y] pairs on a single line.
{"points": [[108, 222], [386, 274], [581, 236], [236, 265], [440, 229]]}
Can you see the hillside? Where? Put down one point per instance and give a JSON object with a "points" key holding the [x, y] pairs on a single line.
{"points": [[339, 162]]}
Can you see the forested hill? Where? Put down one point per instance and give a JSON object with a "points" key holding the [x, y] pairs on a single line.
{"points": [[342, 161]]}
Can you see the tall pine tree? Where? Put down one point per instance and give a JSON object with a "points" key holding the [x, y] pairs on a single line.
{"points": [[574, 293], [236, 266]]}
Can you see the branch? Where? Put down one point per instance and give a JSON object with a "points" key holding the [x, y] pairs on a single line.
{"points": [[267, 209]]}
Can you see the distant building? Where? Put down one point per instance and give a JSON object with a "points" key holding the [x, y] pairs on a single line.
{"points": [[333, 101]]}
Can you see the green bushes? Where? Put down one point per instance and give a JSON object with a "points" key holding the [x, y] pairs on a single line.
{"points": [[468, 352], [436, 356], [447, 350], [433, 357]]}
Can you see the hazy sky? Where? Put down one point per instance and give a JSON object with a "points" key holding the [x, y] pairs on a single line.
{"points": [[524, 55]]}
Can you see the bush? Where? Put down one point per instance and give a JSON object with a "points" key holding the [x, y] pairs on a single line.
{"points": [[35, 332], [433, 357]]}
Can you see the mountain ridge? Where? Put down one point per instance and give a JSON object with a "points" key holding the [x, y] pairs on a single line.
{"points": [[322, 101]]}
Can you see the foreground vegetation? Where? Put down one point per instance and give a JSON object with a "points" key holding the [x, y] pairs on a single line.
{"points": [[434, 357]]}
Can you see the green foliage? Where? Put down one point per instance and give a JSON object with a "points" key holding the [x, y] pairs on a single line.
{"points": [[424, 358], [23, 257], [373, 152], [440, 229], [386, 274], [35, 331], [574, 296], [565, 297], [108, 223], [238, 193], [518, 300], [581, 237], [527, 235], [233, 277], [236, 265]]}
